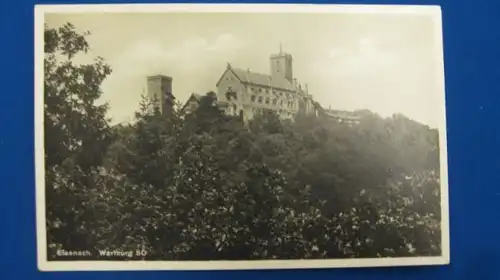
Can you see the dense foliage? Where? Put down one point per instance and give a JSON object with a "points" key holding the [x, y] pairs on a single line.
{"points": [[206, 186]]}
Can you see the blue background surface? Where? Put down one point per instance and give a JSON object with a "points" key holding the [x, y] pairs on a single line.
{"points": [[472, 65]]}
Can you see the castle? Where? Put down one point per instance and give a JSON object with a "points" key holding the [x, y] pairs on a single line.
{"points": [[245, 93]]}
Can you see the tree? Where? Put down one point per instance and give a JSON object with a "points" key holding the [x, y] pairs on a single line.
{"points": [[76, 131], [147, 153], [75, 127]]}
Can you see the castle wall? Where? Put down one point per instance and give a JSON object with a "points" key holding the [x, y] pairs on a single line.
{"points": [[229, 82], [191, 105], [281, 66], [159, 88], [260, 98], [253, 99]]}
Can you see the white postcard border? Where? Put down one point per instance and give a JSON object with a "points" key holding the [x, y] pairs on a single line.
{"points": [[45, 265]]}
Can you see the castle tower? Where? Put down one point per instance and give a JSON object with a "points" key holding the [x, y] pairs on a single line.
{"points": [[281, 65], [160, 90]]}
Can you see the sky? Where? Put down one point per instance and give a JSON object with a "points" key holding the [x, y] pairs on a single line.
{"points": [[382, 62]]}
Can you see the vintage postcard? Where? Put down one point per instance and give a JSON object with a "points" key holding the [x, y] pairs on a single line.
{"points": [[241, 136]]}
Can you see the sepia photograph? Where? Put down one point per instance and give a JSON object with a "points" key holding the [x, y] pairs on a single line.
{"points": [[239, 136]]}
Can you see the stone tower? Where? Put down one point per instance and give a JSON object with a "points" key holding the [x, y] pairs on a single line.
{"points": [[160, 91], [281, 65]]}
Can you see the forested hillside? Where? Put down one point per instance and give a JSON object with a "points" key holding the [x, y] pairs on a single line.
{"points": [[206, 186]]}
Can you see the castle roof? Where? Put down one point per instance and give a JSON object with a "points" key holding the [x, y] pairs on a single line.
{"points": [[195, 96], [348, 115], [248, 77], [159, 76]]}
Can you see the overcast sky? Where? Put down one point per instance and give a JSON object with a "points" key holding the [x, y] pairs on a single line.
{"points": [[384, 63]]}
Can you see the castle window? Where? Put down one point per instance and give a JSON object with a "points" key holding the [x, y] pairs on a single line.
{"points": [[275, 101], [253, 98], [231, 94], [281, 102], [260, 90], [267, 100], [260, 99]]}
